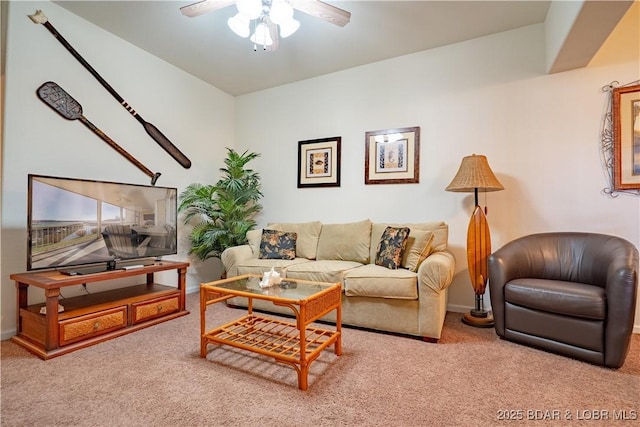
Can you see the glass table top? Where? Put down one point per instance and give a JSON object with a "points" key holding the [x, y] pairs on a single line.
{"points": [[288, 288]]}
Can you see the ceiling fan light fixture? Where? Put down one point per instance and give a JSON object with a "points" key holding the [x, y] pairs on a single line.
{"points": [[281, 12], [261, 36], [289, 27], [252, 9], [276, 14], [239, 24]]}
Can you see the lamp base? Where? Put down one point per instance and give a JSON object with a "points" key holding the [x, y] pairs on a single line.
{"points": [[477, 319]]}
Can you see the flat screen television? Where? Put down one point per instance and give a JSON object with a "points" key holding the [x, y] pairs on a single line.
{"points": [[83, 226]]}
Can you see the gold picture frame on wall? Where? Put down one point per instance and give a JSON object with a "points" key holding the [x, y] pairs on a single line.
{"points": [[626, 138], [319, 162], [392, 156]]}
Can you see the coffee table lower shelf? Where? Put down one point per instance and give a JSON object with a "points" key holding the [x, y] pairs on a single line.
{"points": [[279, 339]]}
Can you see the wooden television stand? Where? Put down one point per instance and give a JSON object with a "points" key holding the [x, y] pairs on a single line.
{"points": [[95, 317]]}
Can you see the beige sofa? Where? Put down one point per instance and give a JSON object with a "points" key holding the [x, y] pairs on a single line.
{"points": [[409, 300]]}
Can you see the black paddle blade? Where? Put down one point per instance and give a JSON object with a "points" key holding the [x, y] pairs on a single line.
{"points": [[55, 97], [168, 146]]}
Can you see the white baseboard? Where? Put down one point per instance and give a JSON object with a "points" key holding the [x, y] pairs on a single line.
{"points": [[8, 334], [459, 308]]}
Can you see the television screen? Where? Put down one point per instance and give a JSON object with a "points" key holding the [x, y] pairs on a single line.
{"points": [[74, 222]]}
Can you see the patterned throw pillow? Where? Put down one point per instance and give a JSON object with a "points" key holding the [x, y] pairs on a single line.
{"points": [[391, 247], [278, 245]]}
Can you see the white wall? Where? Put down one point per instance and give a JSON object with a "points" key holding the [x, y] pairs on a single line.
{"points": [[491, 96], [195, 116], [487, 96]]}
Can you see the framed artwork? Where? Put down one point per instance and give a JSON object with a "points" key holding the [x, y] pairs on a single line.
{"points": [[626, 138], [319, 162], [392, 156]]}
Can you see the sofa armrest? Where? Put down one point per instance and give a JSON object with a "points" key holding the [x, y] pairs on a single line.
{"points": [[436, 271], [230, 258]]}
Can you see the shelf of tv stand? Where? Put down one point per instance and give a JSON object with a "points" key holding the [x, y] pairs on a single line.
{"points": [[94, 317]]}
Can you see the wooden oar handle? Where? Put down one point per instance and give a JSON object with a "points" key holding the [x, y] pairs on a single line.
{"points": [[40, 18], [65, 105], [154, 176]]}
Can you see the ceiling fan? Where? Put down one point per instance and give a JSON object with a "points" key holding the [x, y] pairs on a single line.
{"points": [[316, 8]]}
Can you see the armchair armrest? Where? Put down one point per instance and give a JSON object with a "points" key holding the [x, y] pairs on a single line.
{"points": [[523, 257], [506, 264], [621, 289]]}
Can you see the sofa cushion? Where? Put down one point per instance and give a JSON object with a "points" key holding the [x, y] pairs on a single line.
{"points": [[308, 235], [277, 245], [418, 248], [376, 281], [254, 237], [322, 270], [391, 247], [346, 242], [260, 266]]}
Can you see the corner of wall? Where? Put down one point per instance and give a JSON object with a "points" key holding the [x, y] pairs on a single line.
{"points": [[576, 30], [560, 18], [3, 48]]}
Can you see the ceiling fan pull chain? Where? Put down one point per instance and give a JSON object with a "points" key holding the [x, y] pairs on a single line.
{"points": [[265, 29], [255, 45]]}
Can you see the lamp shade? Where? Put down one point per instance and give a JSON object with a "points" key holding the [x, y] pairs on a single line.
{"points": [[474, 174]]}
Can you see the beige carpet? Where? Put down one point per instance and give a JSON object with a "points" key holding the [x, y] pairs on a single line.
{"points": [[155, 377]]}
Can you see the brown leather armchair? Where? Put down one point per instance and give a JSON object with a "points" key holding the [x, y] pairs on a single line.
{"points": [[569, 293]]}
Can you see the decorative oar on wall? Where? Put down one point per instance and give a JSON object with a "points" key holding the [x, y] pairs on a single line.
{"points": [[55, 97], [163, 141]]}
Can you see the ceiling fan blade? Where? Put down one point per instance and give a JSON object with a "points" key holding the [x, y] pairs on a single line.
{"points": [[317, 8], [204, 6]]}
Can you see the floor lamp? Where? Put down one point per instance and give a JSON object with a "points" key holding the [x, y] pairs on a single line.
{"points": [[475, 175]]}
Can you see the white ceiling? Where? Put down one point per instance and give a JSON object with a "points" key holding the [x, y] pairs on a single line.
{"points": [[206, 48]]}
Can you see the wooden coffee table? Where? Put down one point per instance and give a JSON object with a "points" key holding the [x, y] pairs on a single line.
{"points": [[294, 343]]}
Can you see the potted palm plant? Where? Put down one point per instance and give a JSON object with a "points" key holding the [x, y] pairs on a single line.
{"points": [[223, 213]]}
